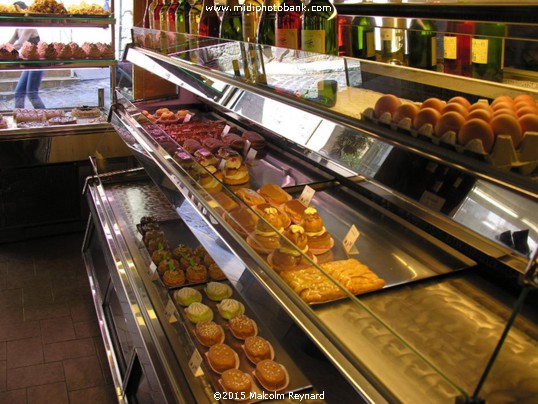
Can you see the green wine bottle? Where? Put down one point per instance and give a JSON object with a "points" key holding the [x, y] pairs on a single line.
{"points": [[362, 38], [266, 26], [251, 16], [194, 17], [422, 43], [487, 51], [182, 17], [209, 20], [319, 28], [231, 25]]}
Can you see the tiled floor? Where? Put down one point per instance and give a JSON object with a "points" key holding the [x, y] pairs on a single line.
{"points": [[50, 346]]}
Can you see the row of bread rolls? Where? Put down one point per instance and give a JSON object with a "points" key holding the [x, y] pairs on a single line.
{"points": [[54, 7], [221, 357], [481, 120]]}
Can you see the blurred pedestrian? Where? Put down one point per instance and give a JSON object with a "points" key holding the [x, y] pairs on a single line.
{"points": [[30, 80]]}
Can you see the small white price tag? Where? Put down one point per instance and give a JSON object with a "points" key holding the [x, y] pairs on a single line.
{"points": [[251, 155], [246, 148], [432, 200], [222, 164], [187, 118], [213, 220], [194, 364], [307, 195], [350, 239], [169, 311], [139, 236], [226, 130], [152, 271]]}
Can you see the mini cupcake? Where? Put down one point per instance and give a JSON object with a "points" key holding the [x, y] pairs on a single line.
{"points": [[215, 273], [217, 291], [197, 312], [168, 265], [174, 277], [186, 296], [196, 273], [230, 308]]}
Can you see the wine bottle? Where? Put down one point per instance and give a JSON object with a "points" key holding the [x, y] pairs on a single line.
{"points": [[251, 16], [487, 51], [266, 26], [171, 15], [457, 48], [391, 38], [362, 43], [422, 43], [288, 24], [155, 22], [319, 28], [231, 26], [182, 17], [209, 20], [163, 16], [148, 14], [194, 17]]}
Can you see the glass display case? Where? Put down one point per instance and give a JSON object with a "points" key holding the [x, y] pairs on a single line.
{"points": [[448, 322]]}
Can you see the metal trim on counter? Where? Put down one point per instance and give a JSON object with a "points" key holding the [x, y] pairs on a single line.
{"points": [[167, 374], [34, 20], [56, 65], [447, 157]]}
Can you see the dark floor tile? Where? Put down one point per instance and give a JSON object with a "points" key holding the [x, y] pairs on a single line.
{"points": [[46, 311], [3, 355], [10, 298], [3, 375], [24, 352], [83, 312], [55, 393], [103, 360], [17, 277], [11, 315], [22, 268], [37, 293], [57, 329], [87, 329], [101, 394], [13, 397], [69, 349], [35, 375], [81, 373], [21, 330]]}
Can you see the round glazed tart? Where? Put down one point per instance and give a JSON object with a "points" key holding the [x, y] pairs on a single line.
{"points": [[256, 361], [319, 251], [254, 326], [285, 383], [236, 365], [237, 394], [208, 345]]}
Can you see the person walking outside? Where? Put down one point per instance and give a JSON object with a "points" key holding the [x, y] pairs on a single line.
{"points": [[30, 80]]}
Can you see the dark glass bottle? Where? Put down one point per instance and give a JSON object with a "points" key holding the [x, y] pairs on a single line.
{"points": [[392, 41], [171, 15], [288, 24], [266, 25], [231, 26], [155, 22], [182, 17], [487, 51], [209, 20], [319, 28], [163, 16], [362, 38], [422, 44], [148, 14], [457, 48]]}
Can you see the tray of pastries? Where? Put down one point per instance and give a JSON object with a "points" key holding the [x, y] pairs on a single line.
{"points": [[176, 255], [243, 359]]}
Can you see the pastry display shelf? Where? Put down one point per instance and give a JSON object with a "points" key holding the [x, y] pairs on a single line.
{"points": [[326, 330], [216, 62], [54, 130], [49, 20], [56, 64]]}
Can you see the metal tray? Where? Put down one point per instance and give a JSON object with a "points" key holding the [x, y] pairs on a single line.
{"points": [[297, 381]]}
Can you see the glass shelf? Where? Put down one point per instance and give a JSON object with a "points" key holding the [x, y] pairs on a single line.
{"points": [[337, 88], [56, 64], [33, 20]]}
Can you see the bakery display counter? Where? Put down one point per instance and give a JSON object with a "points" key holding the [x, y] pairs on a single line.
{"points": [[151, 328], [399, 256], [40, 20]]}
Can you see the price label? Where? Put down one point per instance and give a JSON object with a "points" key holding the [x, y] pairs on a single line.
{"points": [[169, 311], [432, 200], [246, 148], [222, 164], [139, 236], [350, 239], [226, 130], [152, 271], [251, 155], [187, 118], [194, 364], [307, 195]]}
